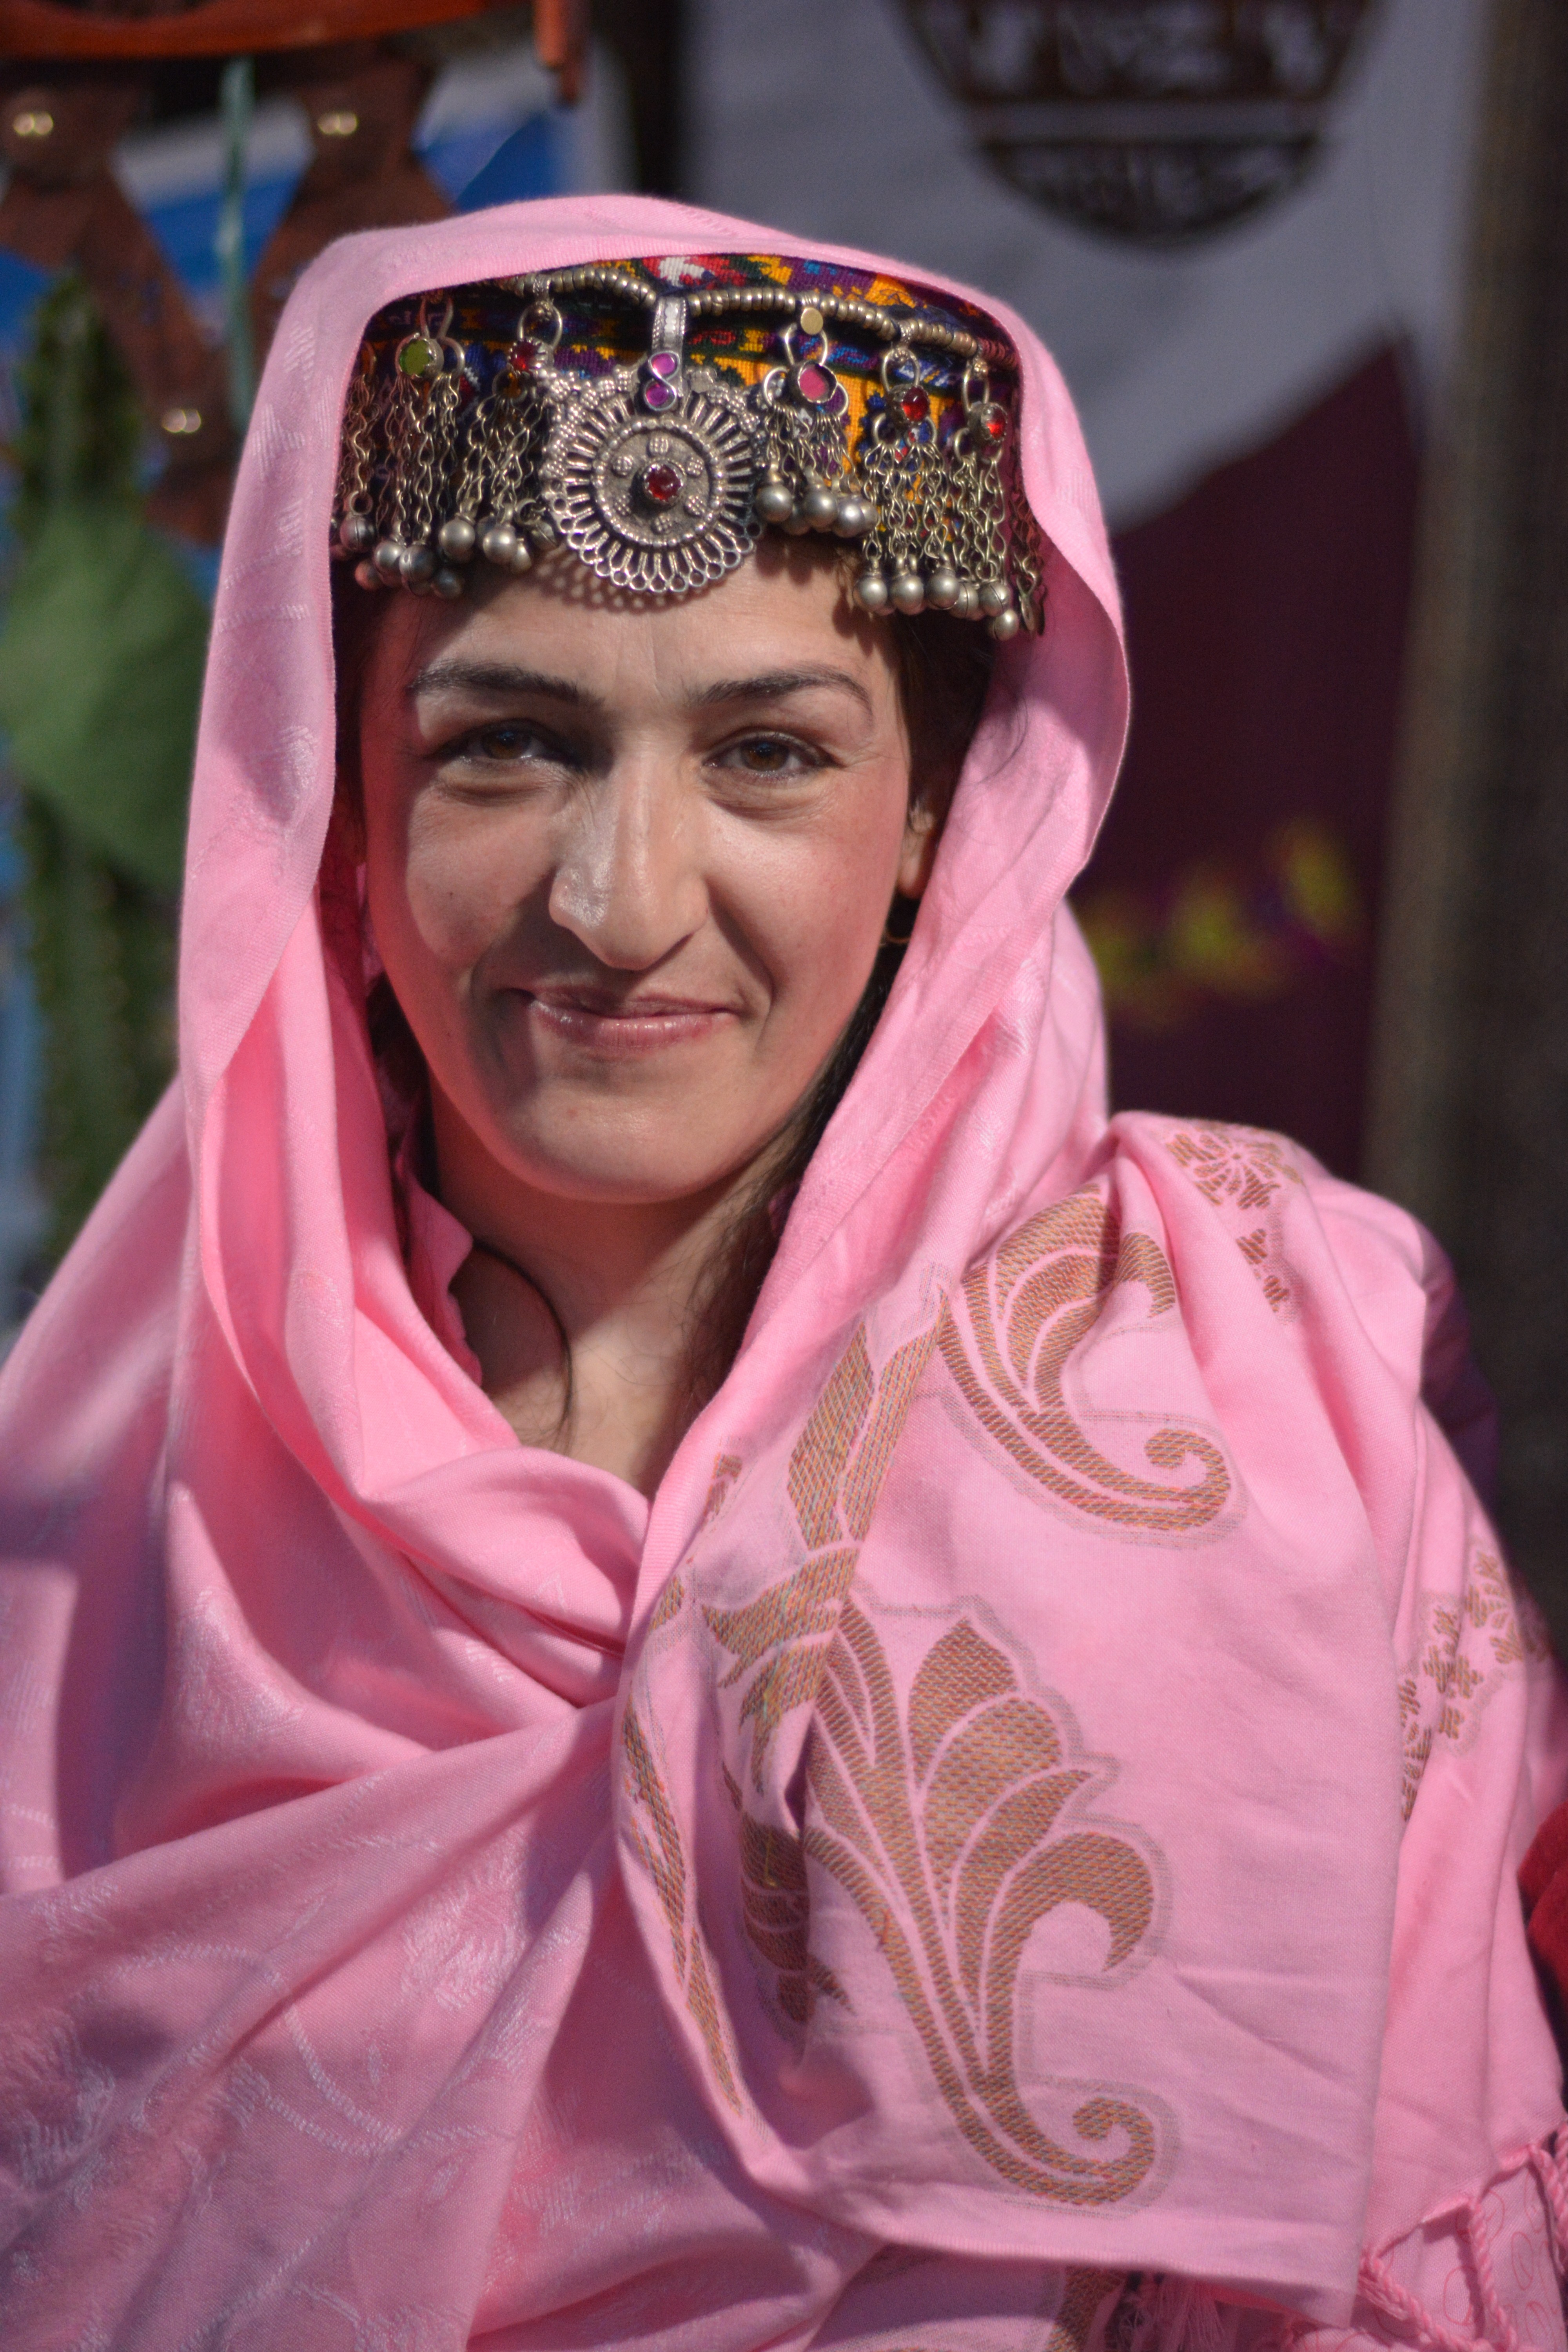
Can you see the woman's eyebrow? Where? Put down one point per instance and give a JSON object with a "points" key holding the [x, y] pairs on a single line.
{"points": [[772, 686], [498, 679], [502, 680]]}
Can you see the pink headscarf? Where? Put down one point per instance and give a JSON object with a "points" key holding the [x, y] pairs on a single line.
{"points": [[1014, 1847]]}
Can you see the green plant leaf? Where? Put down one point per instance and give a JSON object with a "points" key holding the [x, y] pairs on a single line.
{"points": [[101, 668]]}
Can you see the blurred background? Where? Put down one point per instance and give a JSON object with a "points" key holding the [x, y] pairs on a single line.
{"points": [[1300, 262]]}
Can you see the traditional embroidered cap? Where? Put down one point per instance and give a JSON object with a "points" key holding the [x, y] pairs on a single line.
{"points": [[655, 415]]}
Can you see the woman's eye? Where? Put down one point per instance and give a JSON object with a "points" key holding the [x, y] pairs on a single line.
{"points": [[508, 741], [771, 755]]}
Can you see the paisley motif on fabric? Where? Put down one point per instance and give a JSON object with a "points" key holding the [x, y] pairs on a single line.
{"points": [[660, 1846], [1007, 1336], [835, 1474], [1467, 1647], [726, 1470], [1083, 2292], [1240, 1169], [951, 1813], [952, 1866]]}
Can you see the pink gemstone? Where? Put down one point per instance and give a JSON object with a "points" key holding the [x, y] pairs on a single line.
{"points": [[663, 363], [659, 395], [814, 383], [661, 483]]}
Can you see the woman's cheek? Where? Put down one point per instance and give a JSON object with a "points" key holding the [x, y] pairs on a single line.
{"points": [[828, 910], [463, 887], [821, 888]]}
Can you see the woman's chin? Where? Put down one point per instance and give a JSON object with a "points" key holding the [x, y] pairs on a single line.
{"points": [[599, 1162]]}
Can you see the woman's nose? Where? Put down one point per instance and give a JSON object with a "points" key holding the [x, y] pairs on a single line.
{"points": [[627, 882]]}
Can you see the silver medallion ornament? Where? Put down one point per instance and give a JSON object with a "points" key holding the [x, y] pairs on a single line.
{"points": [[647, 474], [654, 494]]}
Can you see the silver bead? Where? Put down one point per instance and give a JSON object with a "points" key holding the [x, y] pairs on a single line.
{"points": [[774, 502], [417, 564], [820, 507], [994, 595], [497, 542], [871, 592], [795, 523], [908, 590], [389, 558], [942, 588], [966, 604], [447, 584], [543, 532], [356, 532], [522, 555], [367, 575], [853, 518], [1005, 626], [457, 539]]}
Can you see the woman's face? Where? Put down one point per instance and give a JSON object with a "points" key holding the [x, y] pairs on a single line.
{"points": [[629, 862]]}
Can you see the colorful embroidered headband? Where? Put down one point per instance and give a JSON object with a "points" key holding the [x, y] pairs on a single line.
{"points": [[657, 415]]}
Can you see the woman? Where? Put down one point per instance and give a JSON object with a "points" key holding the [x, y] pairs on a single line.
{"points": [[693, 1664]]}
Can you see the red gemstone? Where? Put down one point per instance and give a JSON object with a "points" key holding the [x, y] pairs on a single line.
{"points": [[662, 484], [915, 406], [996, 424]]}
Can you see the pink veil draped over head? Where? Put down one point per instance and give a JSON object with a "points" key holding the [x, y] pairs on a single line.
{"points": [[1014, 1847]]}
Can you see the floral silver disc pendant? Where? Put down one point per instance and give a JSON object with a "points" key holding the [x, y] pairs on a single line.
{"points": [[655, 499]]}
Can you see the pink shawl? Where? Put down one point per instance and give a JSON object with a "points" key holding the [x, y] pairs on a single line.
{"points": [[1014, 1847]]}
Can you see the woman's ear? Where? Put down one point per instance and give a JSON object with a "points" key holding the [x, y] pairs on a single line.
{"points": [[923, 830]]}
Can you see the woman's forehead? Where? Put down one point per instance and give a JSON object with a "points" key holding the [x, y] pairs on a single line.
{"points": [[781, 623]]}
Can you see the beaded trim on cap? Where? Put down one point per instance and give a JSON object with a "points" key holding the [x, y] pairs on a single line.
{"points": [[657, 415]]}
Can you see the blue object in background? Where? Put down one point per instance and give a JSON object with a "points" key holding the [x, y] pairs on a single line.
{"points": [[186, 228], [20, 288], [531, 163]]}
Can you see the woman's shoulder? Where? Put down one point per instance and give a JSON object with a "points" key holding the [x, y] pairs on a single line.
{"points": [[1289, 1281], [1319, 1249]]}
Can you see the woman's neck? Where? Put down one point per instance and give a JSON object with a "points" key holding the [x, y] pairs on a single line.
{"points": [[622, 1284]]}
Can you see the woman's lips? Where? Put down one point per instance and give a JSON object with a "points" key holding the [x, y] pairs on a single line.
{"points": [[625, 1031]]}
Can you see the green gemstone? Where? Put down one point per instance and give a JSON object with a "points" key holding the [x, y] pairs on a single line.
{"points": [[419, 357]]}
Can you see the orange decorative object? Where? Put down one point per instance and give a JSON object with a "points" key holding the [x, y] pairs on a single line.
{"points": [[363, 171], [64, 208], [216, 28], [560, 38]]}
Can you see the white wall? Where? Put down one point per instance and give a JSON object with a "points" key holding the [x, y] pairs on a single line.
{"points": [[822, 115]]}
